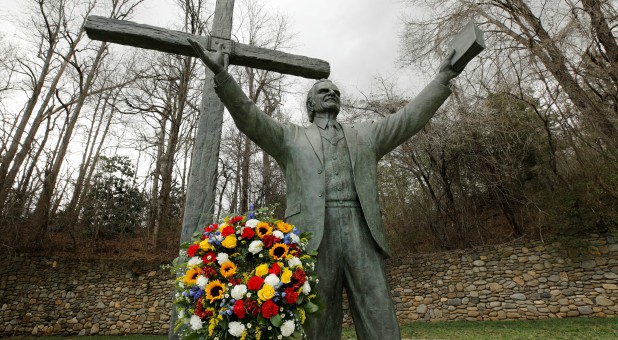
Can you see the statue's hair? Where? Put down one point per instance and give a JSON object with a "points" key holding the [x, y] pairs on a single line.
{"points": [[310, 94]]}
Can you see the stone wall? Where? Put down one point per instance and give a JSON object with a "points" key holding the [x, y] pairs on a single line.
{"points": [[59, 296], [530, 280]]}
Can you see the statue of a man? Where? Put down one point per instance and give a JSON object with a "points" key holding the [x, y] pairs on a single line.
{"points": [[330, 170]]}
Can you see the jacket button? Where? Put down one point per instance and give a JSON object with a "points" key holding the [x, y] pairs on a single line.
{"points": [[319, 171], [321, 194]]}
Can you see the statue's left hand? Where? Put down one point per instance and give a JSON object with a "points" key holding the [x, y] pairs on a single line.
{"points": [[216, 62], [446, 71]]}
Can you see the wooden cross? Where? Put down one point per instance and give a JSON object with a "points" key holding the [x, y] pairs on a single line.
{"points": [[201, 189]]}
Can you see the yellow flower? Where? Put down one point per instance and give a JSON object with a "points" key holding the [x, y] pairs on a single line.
{"points": [[214, 290], [266, 293], [212, 324], [278, 251], [204, 245], [284, 227], [228, 269], [229, 242], [261, 270], [301, 313], [191, 276], [286, 276], [263, 229]]}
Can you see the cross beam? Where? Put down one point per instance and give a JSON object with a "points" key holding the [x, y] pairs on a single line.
{"points": [[164, 40]]}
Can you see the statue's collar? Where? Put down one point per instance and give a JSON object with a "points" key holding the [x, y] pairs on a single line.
{"points": [[321, 122]]}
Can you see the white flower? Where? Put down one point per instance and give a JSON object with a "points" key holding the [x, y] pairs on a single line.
{"points": [[255, 247], [236, 328], [239, 291], [252, 223], [219, 237], [201, 281], [294, 261], [278, 234], [181, 313], [196, 323], [222, 258], [194, 261], [272, 280], [306, 288], [294, 238]]}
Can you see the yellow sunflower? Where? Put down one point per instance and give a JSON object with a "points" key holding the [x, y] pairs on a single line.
{"points": [[214, 290], [191, 276], [263, 229], [284, 227], [278, 251], [228, 269]]}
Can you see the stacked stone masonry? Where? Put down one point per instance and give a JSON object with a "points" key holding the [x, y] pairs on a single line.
{"points": [[524, 281], [531, 280]]}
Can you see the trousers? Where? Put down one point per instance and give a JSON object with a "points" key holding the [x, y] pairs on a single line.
{"points": [[349, 258]]}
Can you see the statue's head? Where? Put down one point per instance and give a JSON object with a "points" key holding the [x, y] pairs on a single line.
{"points": [[324, 96]]}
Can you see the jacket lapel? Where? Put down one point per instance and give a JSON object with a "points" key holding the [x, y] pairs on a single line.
{"points": [[313, 135], [351, 137]]}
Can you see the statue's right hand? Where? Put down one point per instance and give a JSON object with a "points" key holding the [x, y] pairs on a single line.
{"points": [[216, 62]]}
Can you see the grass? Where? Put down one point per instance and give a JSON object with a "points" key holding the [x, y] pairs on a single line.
{"points": [[571, 328]]}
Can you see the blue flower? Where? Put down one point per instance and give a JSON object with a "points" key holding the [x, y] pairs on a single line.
{"points": [[196, 292]]}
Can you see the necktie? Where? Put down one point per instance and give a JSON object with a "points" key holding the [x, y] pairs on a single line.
{"points": [[331, 130]]}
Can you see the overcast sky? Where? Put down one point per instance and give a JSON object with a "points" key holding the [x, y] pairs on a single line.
{"points": [[360, 39]]}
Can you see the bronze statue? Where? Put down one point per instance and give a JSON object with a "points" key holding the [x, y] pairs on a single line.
{"points": [[330, 170]]}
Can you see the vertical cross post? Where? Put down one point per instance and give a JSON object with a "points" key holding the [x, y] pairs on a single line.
{"points": [[201, 188], [202, 185]]}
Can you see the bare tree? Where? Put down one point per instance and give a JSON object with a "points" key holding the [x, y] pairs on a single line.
{"points": [[566, 40]]}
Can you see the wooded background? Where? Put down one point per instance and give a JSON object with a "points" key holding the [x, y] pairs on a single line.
{"points": [[526, 147]]}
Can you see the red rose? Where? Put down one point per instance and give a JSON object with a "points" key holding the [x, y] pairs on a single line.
{"points": [[291, 296], [255, 283], [239, 309], [229, 230], [269, 308], [299, 278], [253, 307], [247, 233], [235, 219], [193, 249], [275, 269], [269, 240], [211, 228]]}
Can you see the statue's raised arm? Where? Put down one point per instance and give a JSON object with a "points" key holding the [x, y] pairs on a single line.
{"points": [[263, 130]]}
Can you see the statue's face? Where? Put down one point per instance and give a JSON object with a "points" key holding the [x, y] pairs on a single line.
{"points": [[326, 97]]}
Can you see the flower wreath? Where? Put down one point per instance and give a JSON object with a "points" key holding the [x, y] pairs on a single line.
{"points": [[249, 277]]}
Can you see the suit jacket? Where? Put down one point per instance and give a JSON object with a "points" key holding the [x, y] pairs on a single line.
{"points": [[298, 150]]}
